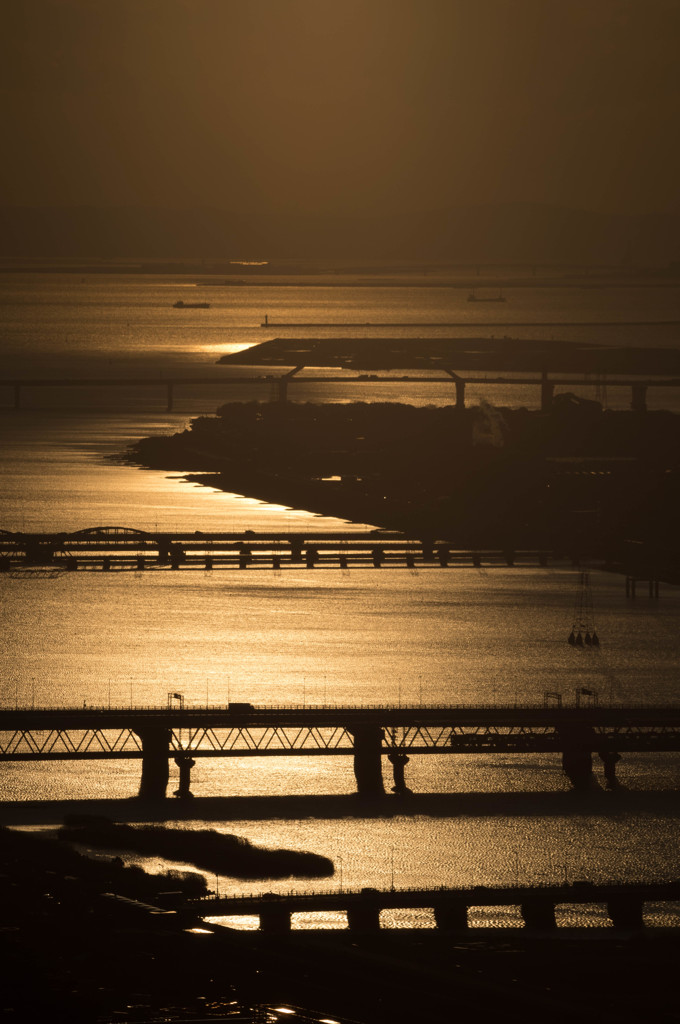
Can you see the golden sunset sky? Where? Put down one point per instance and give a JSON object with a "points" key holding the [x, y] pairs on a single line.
{"points": [[341, 105]]}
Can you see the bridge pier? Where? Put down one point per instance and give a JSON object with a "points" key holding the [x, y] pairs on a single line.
{"points": [[368, 740], [577, 757], [547, 393], [155, 762], [610, 759], [578, 767], [185, 763], [275, 920], [451, 916], [428, 550], [296, 550], [361, 918], [539, 912], [625, 912], [170, 395], [399, 761]]}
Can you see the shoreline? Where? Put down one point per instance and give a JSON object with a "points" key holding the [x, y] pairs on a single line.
{"points": [[572, 480]]}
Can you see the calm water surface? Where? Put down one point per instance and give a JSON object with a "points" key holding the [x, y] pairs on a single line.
{"points": [[459, 635]]}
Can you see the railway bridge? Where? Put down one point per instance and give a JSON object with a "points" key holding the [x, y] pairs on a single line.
{"points": [[121, 547], [155, 735]]}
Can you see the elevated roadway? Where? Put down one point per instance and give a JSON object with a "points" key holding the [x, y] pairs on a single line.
{"points": [[368, 734]]}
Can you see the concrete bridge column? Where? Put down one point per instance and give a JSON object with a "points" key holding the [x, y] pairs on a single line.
{"points": [[428, 550], [444, 554], [275, 920], [368, 740], [169, 390], [577, 758], [296, 550], [451, 916], [460, 394], [538, 912], [155, 762], [364, 919], [399, 761], [185, 763], [547, 392], [578, 767], [625, 911], [610, 759]]}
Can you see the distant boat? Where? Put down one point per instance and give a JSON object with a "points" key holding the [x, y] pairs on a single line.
{"points": [[191, 305], [473, 297]]}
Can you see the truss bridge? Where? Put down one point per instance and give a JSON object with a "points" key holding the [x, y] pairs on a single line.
{"points": [[155, 735], [122, 548]]}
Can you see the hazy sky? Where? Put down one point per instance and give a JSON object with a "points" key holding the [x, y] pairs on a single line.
{"points": [[341, 105]]}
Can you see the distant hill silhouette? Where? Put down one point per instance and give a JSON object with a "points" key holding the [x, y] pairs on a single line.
{"points": [[500, 233]]}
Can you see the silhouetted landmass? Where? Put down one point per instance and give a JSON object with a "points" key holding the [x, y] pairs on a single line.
{"points": [[574, 479], [82, 939], [73, 952], [212, 851]]}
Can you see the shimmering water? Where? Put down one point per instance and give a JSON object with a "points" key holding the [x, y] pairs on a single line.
{"points": [[366, 636]]}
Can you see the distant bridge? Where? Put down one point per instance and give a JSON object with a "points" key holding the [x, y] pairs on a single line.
{"points": [[109, 547], [624, 904], [279, 383], [156, 734]]}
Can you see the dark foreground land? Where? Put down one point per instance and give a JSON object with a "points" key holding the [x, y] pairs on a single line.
{"points": [[72, 951], [576, 479]]}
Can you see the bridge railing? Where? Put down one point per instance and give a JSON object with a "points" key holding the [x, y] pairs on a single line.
{"points": [[199, 708]]}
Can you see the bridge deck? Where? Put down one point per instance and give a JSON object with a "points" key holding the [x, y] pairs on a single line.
{"points": [[575, 893], [31, 734]]}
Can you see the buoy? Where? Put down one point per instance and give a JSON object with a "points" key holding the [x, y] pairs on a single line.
{"points": [[595, 640], [588, 640], [579, 639], [572, 638]]}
